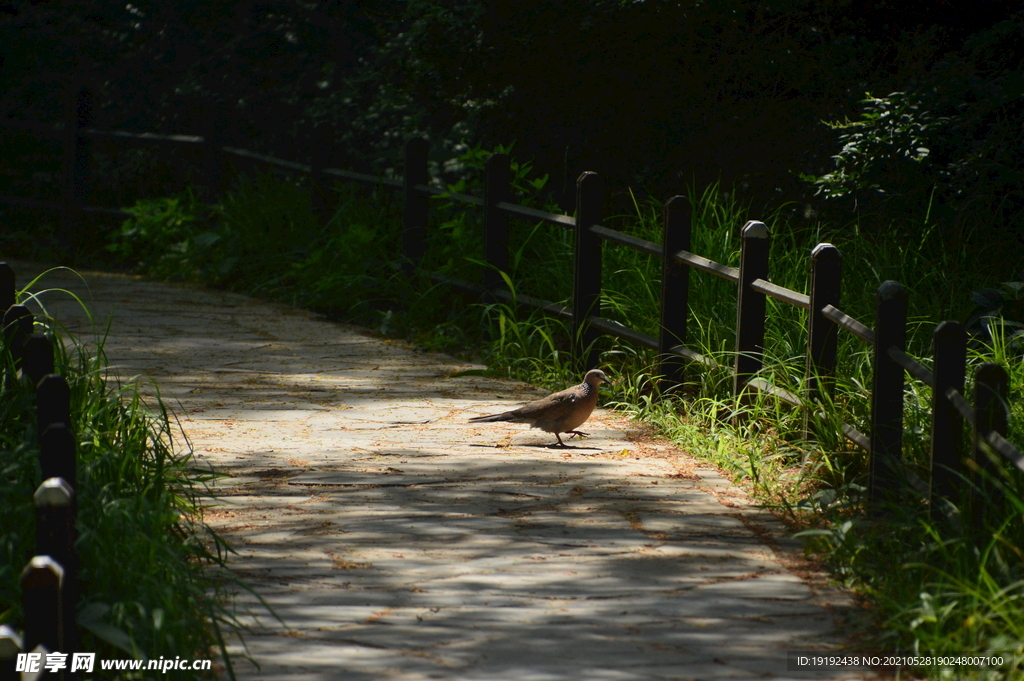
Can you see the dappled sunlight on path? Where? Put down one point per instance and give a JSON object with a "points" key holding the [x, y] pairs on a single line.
{"points": [[397, 541]]}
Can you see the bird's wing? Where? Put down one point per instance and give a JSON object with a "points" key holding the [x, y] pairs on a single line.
{"points": [[552, 407]]}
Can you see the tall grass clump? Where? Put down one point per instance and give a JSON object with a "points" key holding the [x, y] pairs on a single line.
{"points": [[152, 578]]}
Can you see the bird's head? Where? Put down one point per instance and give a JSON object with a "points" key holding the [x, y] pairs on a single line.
{"points": [[595, 377]]}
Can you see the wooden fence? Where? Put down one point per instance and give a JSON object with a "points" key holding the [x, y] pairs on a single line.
{"points": [[950, 465], [49, 581], [988, 417]]}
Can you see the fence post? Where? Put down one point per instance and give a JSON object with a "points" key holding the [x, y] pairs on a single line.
{"points": [[7, 297], [18, 323], [76, 168], [949, 342], [414, 212], [586, 280], [53, 402], [750, 305], [322, 141], [675, 289], [887, 392], [10, 646], [55, 522], [822, 334], [57, 454], [497, 188], [991, 386], [38, 357], [41, 584], [55, 537], [213, 153]]}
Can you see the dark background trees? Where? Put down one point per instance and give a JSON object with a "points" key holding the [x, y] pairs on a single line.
{"points": [[655, 95]]}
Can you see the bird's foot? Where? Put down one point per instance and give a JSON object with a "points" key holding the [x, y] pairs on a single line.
{"points": [[576, 432]]}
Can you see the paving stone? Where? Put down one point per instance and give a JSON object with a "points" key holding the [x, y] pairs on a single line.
{"points": [[399, 542]]}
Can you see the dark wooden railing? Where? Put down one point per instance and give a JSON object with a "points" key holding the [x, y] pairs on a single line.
{"points": [[888, 476], [49, 581]]}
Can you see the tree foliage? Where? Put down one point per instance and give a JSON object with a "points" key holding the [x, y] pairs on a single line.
{"points": [[953, 139], [648, 92]]}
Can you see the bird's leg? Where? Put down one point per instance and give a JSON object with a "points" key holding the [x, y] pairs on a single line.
{"points": [[560, 440], [576, 432]]}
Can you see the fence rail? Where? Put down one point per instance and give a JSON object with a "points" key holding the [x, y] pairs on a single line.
{"points": [[913, 367], [701, 263], [951, 411], [566, 221], [847, 322], [781, 293]]}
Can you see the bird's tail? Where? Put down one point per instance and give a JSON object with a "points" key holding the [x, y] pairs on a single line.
{"points": [[507, 416]]}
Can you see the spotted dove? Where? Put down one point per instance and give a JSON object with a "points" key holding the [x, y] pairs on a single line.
{"points": [[560, 412]]}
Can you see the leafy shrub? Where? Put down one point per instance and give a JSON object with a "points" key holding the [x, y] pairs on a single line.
{"points": [[884, 150], [458, 239], [164, 237], [953, 136]]}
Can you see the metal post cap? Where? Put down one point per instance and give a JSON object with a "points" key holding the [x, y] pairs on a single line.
{"points": [[53, 492], [755, 230]]}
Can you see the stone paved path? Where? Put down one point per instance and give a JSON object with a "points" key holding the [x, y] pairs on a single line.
{"points": [[399, 542]]}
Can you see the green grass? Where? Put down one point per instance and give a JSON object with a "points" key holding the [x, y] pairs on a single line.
{"points": [[152, 575], [935, 589]]}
